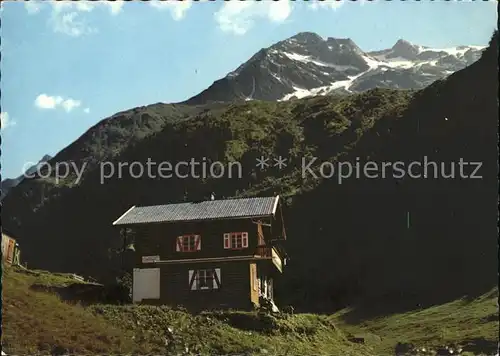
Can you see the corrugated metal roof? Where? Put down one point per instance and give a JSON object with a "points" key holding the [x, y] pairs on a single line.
{"points": [[205, 210]]}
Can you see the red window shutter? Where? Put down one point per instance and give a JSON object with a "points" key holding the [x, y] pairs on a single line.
{"points": [[197, 242], [244, 239], [227, 241]]}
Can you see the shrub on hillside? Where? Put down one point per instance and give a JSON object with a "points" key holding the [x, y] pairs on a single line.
{"points": [[120, 292]]}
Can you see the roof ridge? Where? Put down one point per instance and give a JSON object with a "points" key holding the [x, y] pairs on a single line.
{"points": [[247, 207], [209, 200]]}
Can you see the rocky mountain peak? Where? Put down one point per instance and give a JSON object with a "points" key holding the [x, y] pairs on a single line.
{"points": [[405, 49], [307, 64], [307, 37]]}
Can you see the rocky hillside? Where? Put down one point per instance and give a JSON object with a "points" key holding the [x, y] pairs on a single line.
{"points": [[308, 65], [391, 239]]}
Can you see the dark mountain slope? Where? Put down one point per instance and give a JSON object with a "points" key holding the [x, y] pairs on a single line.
{"points": [[100, 143], [410, 241], [347, 241], [9, 183], [73, 227]]}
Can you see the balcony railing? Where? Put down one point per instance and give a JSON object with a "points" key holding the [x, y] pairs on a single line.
{"points": [[264, 251], [270, 253]]}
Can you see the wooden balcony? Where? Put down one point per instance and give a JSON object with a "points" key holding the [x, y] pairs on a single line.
{"points": [[264, 251], [270, 253]]}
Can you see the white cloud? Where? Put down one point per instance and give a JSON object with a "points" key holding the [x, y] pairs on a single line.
{"points": [[114, 6], [363, 2], [332, 4], [5, 120], [239, 16], [86, 110], [70, 104], [70, 24], [177, 8], [44, 101], [68, 17], [335, 4], [32, 6]]}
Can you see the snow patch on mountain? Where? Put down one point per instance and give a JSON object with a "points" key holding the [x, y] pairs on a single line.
{"points": [[434, 63], [300, 93], [308, 59]]}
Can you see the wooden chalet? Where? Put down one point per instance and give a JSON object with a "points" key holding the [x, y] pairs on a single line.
{"points": [[213, 254], [10, 248]]}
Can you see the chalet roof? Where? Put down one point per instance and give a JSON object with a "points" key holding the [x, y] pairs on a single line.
{"points": [[205, 210], [8, 233]]}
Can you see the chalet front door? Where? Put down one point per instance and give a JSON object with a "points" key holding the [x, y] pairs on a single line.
{"points": [[266, 288], [146, 284]]}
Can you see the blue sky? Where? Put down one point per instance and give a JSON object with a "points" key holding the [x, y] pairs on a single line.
{"points": [[65, 66]]}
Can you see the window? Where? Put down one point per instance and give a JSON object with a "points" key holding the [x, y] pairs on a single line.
{"points": [[188, 243], [235, 240], [204, 279]]}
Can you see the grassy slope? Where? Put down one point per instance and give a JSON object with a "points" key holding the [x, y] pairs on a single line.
{"points": [[36, 322], [464, 322]]}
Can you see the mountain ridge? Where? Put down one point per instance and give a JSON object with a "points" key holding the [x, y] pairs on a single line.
{"points": [[307, 64], [9, 183]]}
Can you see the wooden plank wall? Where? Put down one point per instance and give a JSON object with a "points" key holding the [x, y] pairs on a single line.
{"points": [[233, 293]]}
